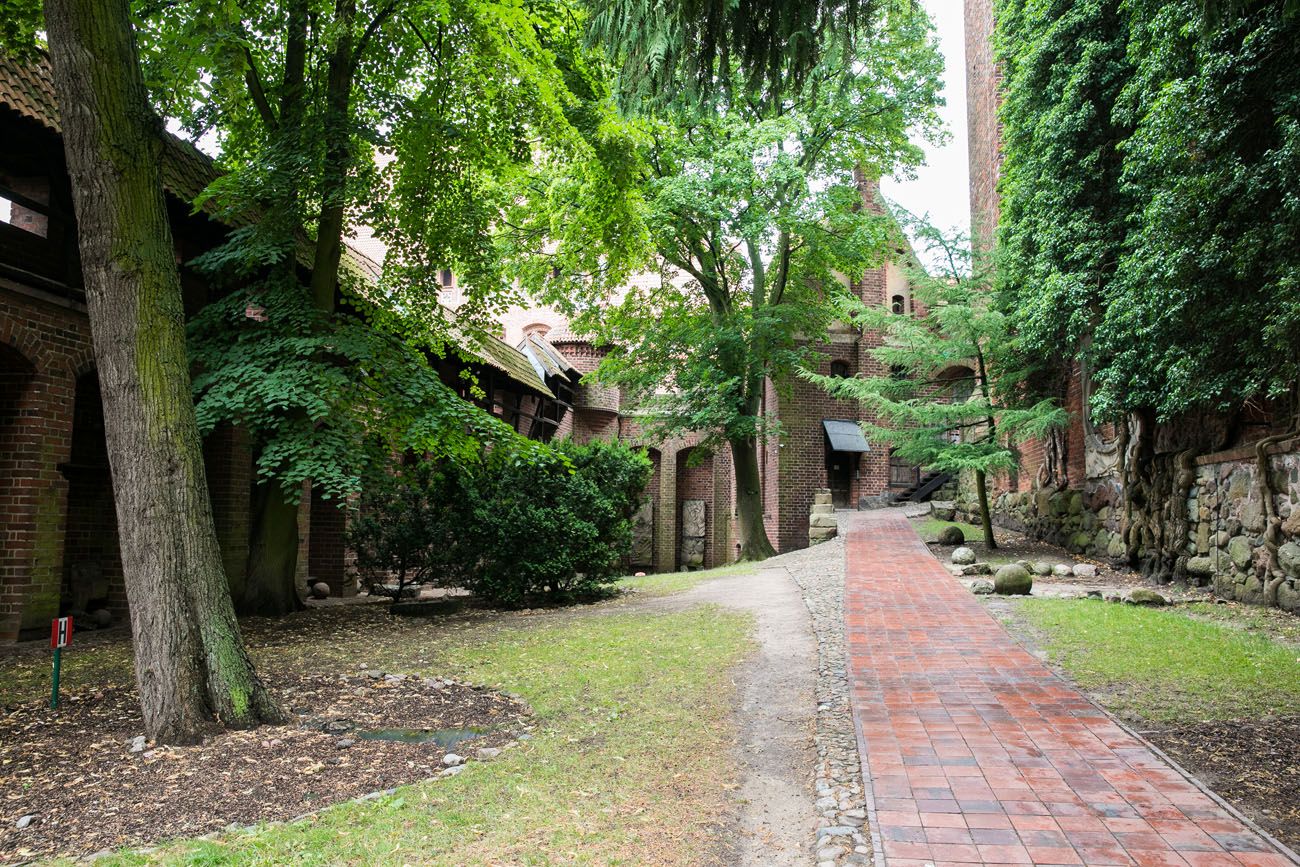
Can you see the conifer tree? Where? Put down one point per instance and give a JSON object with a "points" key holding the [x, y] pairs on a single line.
{"points": [[949, 403]]}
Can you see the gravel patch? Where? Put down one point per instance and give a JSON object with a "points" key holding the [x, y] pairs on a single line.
{"points": [[841, 835]]}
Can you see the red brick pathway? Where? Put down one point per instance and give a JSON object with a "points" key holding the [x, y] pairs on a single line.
{"points": [[977, 753]]}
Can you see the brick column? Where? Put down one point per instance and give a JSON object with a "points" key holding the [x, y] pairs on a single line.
{"points": [[35, 437]]}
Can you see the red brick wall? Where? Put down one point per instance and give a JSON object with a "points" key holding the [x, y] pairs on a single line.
{"points": [[44, 344], [327, 555], [985, 132], [56, 503], [229, 464], [90, 533]]}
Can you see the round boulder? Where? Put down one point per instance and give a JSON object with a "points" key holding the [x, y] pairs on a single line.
{"points": [[1144, 596], [981, 587], [320, 590], [1013, 580], [963, 556], [1062, 570], [951, 535], [102, 617], [1042, 568]]}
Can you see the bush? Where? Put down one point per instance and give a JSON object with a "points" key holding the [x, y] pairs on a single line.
{"points": [[408, 531], [559, 525], [555, 522]]}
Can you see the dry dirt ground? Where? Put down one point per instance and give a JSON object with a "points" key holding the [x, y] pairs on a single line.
{"points": [[776, 714]]}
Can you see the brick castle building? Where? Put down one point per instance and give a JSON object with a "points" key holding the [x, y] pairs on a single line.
{"points": [[57, 519]]}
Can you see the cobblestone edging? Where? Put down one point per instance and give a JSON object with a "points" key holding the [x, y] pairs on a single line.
{"points": [[841, 837]]}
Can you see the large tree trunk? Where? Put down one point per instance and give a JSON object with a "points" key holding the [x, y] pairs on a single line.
{"points": [[191, 668], [271, 587], [754, 544]]}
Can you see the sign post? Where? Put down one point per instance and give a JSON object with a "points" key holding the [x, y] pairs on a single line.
{"points": [[60, 636]]}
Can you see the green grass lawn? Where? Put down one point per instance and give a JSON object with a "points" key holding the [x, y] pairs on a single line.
{"points": [[630, 762], [929, 528], [674, 582], [1166, 664]]}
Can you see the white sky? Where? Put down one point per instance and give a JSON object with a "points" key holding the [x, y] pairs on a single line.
{"points": [[941, 188]]}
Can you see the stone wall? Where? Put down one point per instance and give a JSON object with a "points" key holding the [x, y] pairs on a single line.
{"points": [[1224, 548]]}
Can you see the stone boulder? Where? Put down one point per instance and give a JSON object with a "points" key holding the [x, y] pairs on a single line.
{"points": [[1145, 596], [976, 569], [1085, 570], [1063, 570], [1200, 566], [962, 556], [1239, 551], [320, 590], [1042, 568], [981, 587], [951, 535], [1288, 557], [1013, 580], [944, 511]]}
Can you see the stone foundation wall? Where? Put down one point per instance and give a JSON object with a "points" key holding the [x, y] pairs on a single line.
{"points": [[1224, 548]]}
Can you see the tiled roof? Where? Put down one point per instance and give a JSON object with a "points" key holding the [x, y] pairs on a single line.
{"points": [[495, 352], [28, 89], [546, 359]]}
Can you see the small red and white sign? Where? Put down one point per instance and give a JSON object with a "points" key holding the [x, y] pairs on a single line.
{"points": [[61, 632]]}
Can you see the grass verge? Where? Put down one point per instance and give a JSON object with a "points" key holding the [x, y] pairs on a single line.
{"points": [[1166, 666], [674, 582], [630, 762], [929, 528]]}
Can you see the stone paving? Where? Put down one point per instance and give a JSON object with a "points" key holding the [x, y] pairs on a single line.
{"points": [[976, 753]]}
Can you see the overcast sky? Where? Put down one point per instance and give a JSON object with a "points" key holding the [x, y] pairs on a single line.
{"points": [[941, 186]]}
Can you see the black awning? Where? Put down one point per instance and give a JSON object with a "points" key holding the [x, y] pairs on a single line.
{"points": [[845, 436]]}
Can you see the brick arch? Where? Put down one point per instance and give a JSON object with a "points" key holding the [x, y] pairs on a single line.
{"points": [[53, 342], [695, 483]]}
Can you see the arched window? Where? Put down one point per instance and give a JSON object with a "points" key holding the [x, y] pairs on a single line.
{"points": [[840, 369], [898, 304], [541, 329]]}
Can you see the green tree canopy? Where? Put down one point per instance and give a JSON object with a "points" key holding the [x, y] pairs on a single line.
{"points": [[1148, 208], [754, 210]]}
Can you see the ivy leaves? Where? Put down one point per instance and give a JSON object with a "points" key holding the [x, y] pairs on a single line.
{"points": [[1148, 205]]}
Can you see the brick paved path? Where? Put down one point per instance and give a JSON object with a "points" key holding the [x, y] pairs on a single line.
{"points": [[978, 754]]}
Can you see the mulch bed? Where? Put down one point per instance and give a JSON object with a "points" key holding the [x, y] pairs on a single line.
{"points": [[1255, 764], [73, 768]]}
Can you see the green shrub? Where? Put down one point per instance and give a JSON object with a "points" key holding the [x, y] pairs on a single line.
{"points": [[554, 522], [558, 526], [407, 531]]}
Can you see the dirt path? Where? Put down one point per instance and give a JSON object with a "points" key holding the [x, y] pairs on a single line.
{"points": [[776, 714]]}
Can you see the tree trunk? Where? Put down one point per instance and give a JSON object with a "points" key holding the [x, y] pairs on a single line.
{"points": [[754, 544], [338, 161], [986, 519], [273, 549], [271, 589], [191, 668]]}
